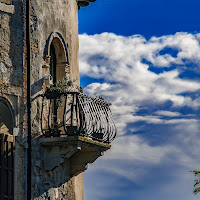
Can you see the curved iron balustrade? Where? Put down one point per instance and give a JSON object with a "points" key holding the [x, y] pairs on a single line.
{"points": [[74, 113]]}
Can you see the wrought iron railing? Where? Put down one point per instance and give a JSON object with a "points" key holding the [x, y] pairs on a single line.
{"points": [[74, 114]]}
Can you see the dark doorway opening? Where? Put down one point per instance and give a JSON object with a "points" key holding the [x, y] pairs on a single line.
{"points": [[7, 141], [53, 63]]}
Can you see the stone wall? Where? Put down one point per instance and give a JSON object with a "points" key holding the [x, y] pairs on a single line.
{"points": [[6, 68], [55, 182], [6, 1], [49, 18], [11, 79]]}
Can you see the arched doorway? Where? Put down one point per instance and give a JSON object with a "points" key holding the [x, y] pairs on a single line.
{"points": [[58, 59], [58, 69], [7, 151], [53, 63]]}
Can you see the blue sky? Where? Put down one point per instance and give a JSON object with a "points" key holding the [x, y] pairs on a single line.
{"points": [[144, 56], [128, 17]]}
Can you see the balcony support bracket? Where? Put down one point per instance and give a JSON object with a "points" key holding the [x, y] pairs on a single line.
{"points": [[77, 151]]}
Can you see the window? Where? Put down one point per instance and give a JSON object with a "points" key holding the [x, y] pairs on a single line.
{"points": [[6, 153], [6, 166]]}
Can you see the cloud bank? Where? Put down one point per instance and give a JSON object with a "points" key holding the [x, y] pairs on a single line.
{"points": [[154, 88]]}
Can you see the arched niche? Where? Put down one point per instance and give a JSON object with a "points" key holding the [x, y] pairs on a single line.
{"points": [[7, 121], [56, 65], [56, 57]]}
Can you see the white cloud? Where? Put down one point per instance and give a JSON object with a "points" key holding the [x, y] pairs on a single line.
{"points": [[129, 82], [167, 113], [149, 167], [161, 105]]}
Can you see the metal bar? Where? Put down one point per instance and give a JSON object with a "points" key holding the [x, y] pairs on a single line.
{"points": [[12, 154], [80, 115], [81, 99], [76, 108], [72, 112], [50, 106], [64, 114], [93, 117], [28, 46], [41, 121], [1, 166], [7, 177]]}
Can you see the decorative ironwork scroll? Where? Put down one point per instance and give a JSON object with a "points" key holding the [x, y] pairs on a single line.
{"points": [[74, 114]]}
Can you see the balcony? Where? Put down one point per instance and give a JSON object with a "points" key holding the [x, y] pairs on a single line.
{"points": [[77, 129], [76, 114]]}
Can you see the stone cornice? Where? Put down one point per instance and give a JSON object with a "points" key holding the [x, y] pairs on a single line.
{"points": [[83, 3], [7, 8]]}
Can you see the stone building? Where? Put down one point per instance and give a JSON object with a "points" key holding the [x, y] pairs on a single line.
{"points": [[49, 130]]}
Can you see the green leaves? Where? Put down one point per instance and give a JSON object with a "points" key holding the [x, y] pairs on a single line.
{"points": [[197, 181], [60, 87], [196, 173], [196, 190], [99, 96]]}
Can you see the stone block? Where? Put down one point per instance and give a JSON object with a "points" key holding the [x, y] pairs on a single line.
{"points": [[7, 8]]}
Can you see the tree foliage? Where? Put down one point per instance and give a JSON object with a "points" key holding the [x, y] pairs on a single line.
{"points": [[197, 181]]}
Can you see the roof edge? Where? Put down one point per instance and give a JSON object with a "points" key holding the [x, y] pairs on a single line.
{"points": [[84, 3]]}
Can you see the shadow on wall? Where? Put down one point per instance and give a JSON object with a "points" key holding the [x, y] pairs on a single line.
{"points": [[16, 44]]}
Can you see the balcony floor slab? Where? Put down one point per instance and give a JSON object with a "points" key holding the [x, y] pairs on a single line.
{"points": [[77, 150]]}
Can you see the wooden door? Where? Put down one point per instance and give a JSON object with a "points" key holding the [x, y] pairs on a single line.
{"points": [[7, 166]]}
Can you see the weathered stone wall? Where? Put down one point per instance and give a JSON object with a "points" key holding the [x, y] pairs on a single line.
{"points": [[51, 18], [11, 79], [47, 17], [6, 1], [54, 182]]}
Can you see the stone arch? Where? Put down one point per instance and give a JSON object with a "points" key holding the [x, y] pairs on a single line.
{"points": [[56, 35], [57, 55], [7, 114], [56, 65]]}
